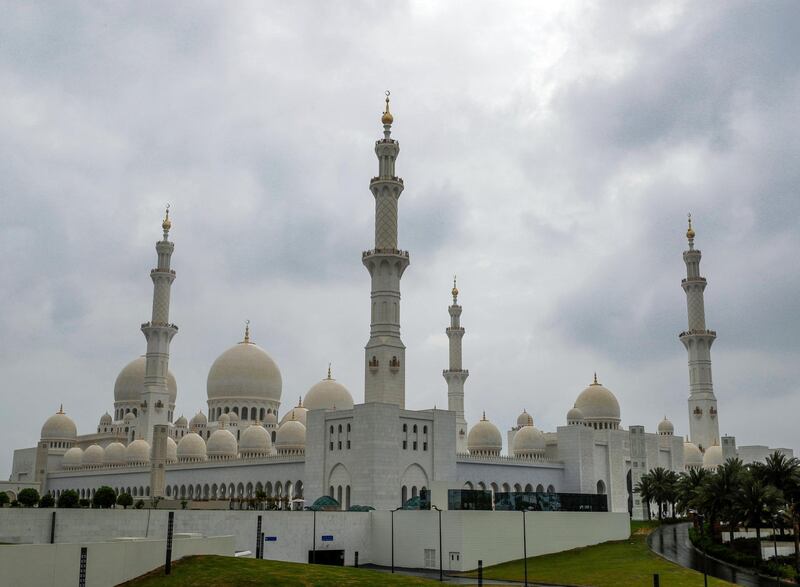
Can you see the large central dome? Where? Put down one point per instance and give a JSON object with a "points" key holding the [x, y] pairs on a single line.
{"points": [[244, 371], [129, 385]]}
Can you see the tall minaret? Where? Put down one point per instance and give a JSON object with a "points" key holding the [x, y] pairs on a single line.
{"points": [[455, 375], [703, 424], [385, 366], [158, 332]]}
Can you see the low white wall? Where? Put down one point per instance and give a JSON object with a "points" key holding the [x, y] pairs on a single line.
{"points": [[493, 537], [107, 563]]}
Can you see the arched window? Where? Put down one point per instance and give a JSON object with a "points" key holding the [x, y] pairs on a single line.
{"points": [[528, 488], [540, 488], [347, 497], [245, 414], [236, 410], [330, 491], [403, 495], [262, 414], [551, 489], [601, 488], [339, 494]]}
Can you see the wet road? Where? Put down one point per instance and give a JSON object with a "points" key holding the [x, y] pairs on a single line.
{"points": [[672, 542]]}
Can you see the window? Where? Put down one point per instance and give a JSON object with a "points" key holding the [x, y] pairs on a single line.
{"points": [[424, 446], [430, 558], [331, 445], [415, 445], [339, 445], [405, 445]]}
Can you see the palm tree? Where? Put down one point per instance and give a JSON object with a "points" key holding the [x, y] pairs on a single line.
{"points": [[715, 495], [756, 502], [687, 488], [732, 472], [778, 471], [645, 490]]}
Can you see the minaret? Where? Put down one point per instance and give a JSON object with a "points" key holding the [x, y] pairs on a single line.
{"points": [[385, 366], [455, 375], [158, 332], [703, 423]]}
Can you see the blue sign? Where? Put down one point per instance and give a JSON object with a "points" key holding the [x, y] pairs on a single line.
{"points": [[327, 537], [270, 538]]}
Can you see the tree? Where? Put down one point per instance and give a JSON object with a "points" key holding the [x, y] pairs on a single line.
{"points": [[645, 490], [104, 497], [757, 502], [4, 499], [47, 501], [68, 499], [28, 497], [124, 499], [687, 488]]}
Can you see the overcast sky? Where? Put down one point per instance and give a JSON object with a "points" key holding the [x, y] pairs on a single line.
{"points": [[550, 152]]}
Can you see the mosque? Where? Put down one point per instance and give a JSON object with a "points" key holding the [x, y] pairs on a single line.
{"points": [[375, 453]]}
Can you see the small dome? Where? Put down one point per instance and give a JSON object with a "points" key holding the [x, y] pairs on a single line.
{"points": [[224, 420], [114, 454], [598, 404], [222, 445], [244, 371], [529, 441], [692, 457], [327, 395], [73, 458], [574, 416], [524, 419], [291, 437], [198, 420], [297, 413], [191, 448], [93, 456], [181, 422], [484, 438], [129, 419], [138, 452], [271, 418], [665, 427], [105, 419], [130, 382], [172, 450], [59, 426], [233, 418], [713, 457], [255, 441]]}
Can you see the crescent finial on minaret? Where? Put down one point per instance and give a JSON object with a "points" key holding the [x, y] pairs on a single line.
{"points": [[167, 223], [690, 232], [454, 290], [387, 118]]}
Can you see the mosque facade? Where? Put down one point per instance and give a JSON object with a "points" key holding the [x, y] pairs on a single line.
{"points": [[376, 453]]}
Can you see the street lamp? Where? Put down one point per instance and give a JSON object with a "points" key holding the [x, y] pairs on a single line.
{"points": [[525, 544], [441, 572], [705, 556], [314, 539], [392, 515]]}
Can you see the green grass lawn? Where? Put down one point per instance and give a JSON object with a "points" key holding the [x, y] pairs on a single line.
{"points": [[226, 571], [624, 563]]}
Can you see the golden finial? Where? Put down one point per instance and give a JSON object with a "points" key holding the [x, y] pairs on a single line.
{"points": [[329, 371], [246, 332], [455, 290], [484, 416], [167, 224], [387, 117], [690, 230], [61, 409], [595, 380]]}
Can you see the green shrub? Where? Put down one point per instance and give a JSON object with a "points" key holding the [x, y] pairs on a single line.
{"points": [[124, 499], [84, 503], [68, 499], [47, 501], [28, 497], [104, 497], [139, 504], [4, 499]]}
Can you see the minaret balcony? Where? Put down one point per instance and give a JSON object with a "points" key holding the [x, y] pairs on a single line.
{"points": [[392, 178], [162, 270], [698, 333], [693, 280], [376, 252], [159, 325]]}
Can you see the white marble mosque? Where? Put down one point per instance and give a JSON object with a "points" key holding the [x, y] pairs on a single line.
{"points": [[375, 453]]}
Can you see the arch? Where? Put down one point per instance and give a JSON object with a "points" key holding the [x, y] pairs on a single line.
{"points": [[540, 488], [414, 476], [403, 495], [235, 410], [245, 413], [481, 485], [268, 488], [240, 490], [517, 488], [206, 491], [191, 492], [601, 487], [249, 489], [222, 491], [298, 489], [339, 477], [261, 415], [494, 487], [213, 491], [528, 488], [506, 488], [134, 492], [169, 491], [231, 491], [278, 489], [347, 498], [551, 489], [468, 485], [413, 491]]}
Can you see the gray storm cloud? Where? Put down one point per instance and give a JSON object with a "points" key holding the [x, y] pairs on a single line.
{"points": [[550, 153]]}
